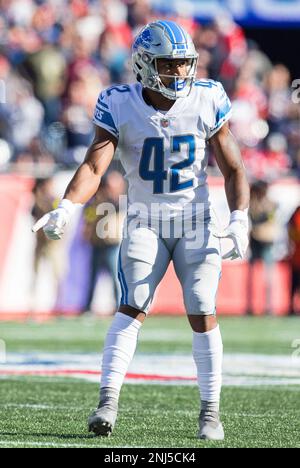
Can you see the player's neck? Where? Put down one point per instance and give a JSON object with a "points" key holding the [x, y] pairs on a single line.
{"points": [[157, 100]]}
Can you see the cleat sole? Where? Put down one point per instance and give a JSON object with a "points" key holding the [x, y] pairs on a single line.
{"points": [[101, 429]]}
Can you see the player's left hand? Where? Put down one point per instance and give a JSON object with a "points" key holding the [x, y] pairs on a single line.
{"points": [[237, 231]]}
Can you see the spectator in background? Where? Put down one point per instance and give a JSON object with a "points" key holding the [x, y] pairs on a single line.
{"points": [[47, 68], [277, 163], [211, 51], [77, 116], [116, 39], [279, 97], [45, 250], [294, 238], [233, 39], [139, 14], [5, 115], [283, 114], [21, 120], [80, 44], [297, 164], [104, 233], [269, 163], [35, 160], [262, 236], [26, 113]]}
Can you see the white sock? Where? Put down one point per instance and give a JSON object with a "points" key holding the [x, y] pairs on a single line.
{"points": [[208, 356], [119, 348]]}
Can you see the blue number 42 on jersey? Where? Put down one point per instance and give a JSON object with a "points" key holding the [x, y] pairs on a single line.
{"points": [[154, 148]]}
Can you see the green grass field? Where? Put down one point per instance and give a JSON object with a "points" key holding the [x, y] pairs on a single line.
{"points": [[267, 335], [52, 411]]}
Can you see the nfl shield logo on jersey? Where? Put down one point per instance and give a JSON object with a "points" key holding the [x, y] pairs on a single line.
{"points": [[164, 123]]}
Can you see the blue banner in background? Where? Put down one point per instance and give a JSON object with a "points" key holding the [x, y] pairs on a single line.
{"points": [[278, 13]]}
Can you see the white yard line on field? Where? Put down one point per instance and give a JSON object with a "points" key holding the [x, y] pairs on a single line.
{"points": [[43, 407], [42, 444]]}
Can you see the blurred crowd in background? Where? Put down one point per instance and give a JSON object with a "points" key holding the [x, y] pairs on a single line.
{"points": [[57, 55]]}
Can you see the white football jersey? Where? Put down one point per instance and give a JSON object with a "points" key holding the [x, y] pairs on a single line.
{"points": [[163, 153]]}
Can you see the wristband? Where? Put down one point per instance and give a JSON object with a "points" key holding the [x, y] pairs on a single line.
{"points": [[69, 206], [239, 215]]}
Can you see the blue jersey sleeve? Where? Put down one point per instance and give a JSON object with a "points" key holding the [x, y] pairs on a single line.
{"points": [[105, 114], [222, 109]]}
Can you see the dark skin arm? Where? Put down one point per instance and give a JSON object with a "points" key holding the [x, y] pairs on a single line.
{"points": [[230, 162], [87, 178]]}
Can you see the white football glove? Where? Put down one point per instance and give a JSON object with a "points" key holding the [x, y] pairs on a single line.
{"points": [[54, 222], [237, 231]]}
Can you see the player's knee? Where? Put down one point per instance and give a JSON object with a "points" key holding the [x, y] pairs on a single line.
{"points": [[140, 297], [202, 323]]}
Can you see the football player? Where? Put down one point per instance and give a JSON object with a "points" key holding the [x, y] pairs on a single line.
{"points": [[163, 124]]}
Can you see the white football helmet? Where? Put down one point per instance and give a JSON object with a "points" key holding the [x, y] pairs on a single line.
{"points": [[164, 39]]}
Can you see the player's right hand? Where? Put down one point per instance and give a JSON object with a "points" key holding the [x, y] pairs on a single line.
{"points": [[54, 222]]}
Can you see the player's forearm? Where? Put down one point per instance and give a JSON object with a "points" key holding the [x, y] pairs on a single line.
{"points": [[236, 183], [84, 184], [237, 190], [230, 162]]}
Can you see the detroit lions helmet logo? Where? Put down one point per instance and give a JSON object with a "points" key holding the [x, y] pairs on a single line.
{"points": [[144, 39]]}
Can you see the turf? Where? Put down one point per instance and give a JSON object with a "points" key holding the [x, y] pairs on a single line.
{"points": [[43, 413], [267, 335], [52, 412]]}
